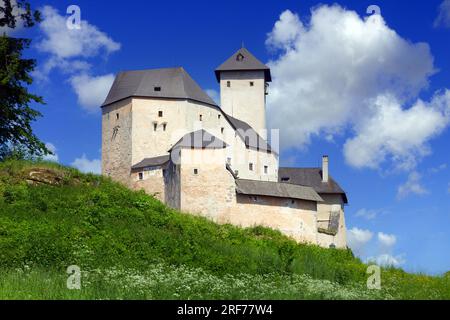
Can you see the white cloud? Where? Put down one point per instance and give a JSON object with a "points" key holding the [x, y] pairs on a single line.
{"points": [[366, 214], [214, 95], [381, 253], [443, 18], [438, 169], [51, 157], [87, 166], [70, 50], [15, 12], [387, 240], [340, 71], [388, 260], [357, 240], [64, 43], [91, 90], [413, 185]]}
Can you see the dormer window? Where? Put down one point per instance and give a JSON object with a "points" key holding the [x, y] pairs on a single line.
{"points": [[157, 88], [240, 57], [285, 179]]}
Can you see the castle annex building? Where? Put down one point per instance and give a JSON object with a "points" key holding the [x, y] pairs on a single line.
{"points": [[162, 133]]}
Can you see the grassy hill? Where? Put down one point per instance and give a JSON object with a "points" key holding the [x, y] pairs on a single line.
{"points": [[130, 246]]}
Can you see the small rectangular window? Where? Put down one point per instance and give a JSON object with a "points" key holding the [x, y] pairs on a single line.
{"points": [[266, 169], [195, 171], [164, 126], [221, 130], [250, 166], [117, 116], [160, 114], [228, 84], [200, 117], [218, 116], [157, 88], [155, 126], [252, 83], [141, 176]]}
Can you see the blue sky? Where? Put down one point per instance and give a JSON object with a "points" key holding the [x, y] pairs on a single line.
{"points": [[336, 91]]}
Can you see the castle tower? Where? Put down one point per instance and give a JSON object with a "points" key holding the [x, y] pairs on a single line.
{"points": [[243, 88]]}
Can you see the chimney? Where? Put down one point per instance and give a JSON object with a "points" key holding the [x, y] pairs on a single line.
{"points": [[325, 169]]}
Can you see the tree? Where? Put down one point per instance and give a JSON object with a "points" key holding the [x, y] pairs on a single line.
{"points": [[16, 115]]}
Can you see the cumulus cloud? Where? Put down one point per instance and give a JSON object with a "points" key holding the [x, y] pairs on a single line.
{"points": [[357, 240], [443, 18], [367, 214], [64, 43], [388, 260], [387, 240], [214, 95], [339, 72], [91, 90], [51, 157], [87, 166], [70, 50], [380, 251], [413, 185]]}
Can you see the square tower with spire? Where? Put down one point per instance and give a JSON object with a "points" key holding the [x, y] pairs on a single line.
{"points": [[243, 88]]}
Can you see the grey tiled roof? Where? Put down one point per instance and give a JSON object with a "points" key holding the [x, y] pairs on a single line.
{"points": [[250, 137], [150, 162], [199, 139], [247, 62], [276, 189], [311, 177], [174, 83]]}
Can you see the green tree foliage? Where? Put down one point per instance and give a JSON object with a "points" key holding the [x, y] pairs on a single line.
{"points": [[16, 114]]}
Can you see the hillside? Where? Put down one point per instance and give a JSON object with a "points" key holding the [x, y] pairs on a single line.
{"points": [[130, 246]]}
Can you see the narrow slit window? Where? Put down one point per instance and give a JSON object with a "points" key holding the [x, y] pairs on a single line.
{"points": [[117, 116], [200, 117], [221, 130], [218, 116], [266, 169], [250, 166]]}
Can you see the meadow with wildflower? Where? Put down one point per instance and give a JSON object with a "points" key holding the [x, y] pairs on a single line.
{"points": [[130, 246]]}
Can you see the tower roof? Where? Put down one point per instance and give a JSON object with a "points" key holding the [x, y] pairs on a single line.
{"points": [[173, 83], [243, 60]]}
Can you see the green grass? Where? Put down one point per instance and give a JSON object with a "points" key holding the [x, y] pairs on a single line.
{"points": [[113, 234]]}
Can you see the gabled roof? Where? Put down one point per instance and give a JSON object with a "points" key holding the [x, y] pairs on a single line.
{"points": [[151, 162], [311, 177], [276, 189], [250, 137], [199, 139], [243, 60], [174, 83]]}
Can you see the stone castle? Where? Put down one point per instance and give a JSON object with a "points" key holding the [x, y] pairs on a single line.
{"points": [[162, 133]]}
